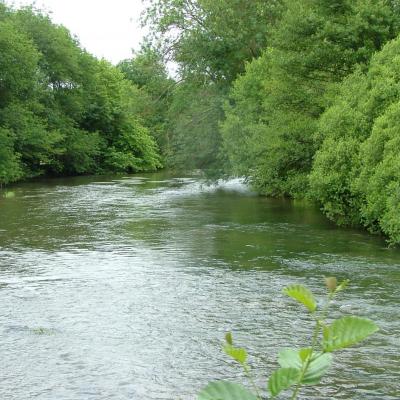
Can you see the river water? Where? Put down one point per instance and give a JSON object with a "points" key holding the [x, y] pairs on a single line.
{"points": [[123, 288]]}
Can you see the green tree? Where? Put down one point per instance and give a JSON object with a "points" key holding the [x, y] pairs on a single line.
{"points": [[18, 64], [314, 46], [195, 139], [210, 43], [37, 145], [111, 99], [19, 68], [243, 128], [61, 110], [147, 71], [356, 171], [10, 168], [212, 38]]}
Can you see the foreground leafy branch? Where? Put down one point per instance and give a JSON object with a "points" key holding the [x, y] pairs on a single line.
{"points": [[300, 367]]}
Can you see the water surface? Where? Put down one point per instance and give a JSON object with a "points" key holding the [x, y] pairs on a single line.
{"points": [[122, 288]]}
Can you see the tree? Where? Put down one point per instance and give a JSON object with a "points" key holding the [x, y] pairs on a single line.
{"points": [[10, 168], [62, 111], [313, 47], [356, 172], [210, 43], [212, 38], [195, 140], [110, 113], [18, 64], [148, 73]]}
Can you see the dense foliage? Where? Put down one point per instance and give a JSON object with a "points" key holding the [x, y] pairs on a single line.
{"points": [[356, 173], [61, 110], [211, 39], [299, 96], [315, 44], [209, 42], [148, 73], [282, 92]]}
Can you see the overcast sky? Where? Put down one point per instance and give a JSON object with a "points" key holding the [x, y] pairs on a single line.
{"points": [[108, 29]]}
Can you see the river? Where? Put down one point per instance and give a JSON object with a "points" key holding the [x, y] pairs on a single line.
{"points": [[123, 288]]}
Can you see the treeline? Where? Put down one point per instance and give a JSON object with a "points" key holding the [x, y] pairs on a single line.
{"points": [[62, 111], [300, 96]]}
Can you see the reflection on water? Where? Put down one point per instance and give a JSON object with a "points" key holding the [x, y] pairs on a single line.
{"points": [[122, 288]]}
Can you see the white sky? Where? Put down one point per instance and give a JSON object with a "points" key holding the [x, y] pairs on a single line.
{"points": [[108, 29]]}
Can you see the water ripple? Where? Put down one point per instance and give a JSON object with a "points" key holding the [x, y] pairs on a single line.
{"points": [[123, 288]]}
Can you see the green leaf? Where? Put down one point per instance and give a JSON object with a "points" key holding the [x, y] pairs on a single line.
{"points": [[302, 295], [317, 367], [282, 379], [304, 354], [343, 285], [289, 358], [223, 390], [228, 338], [346, 332], [238, 354]]}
